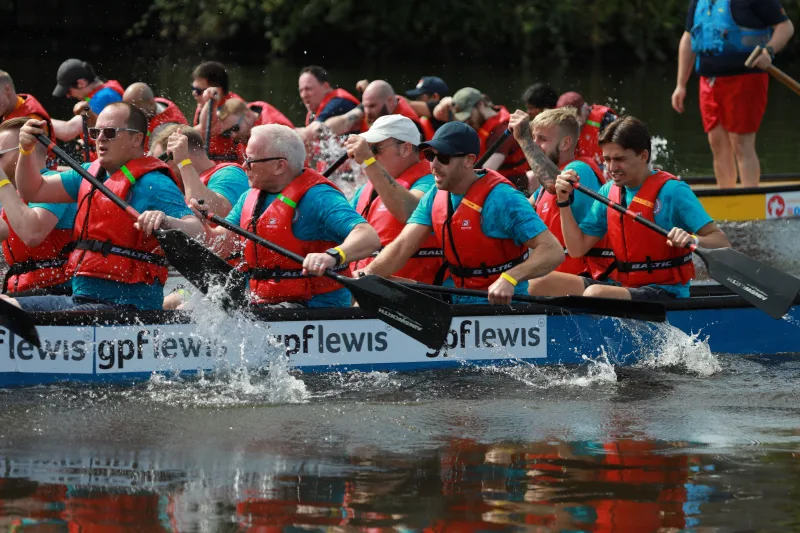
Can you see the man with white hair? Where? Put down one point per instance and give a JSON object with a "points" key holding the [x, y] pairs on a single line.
{"points": [[301, 210], [397, 181]]}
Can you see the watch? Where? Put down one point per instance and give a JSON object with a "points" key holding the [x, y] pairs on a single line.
{"points": [[771, 51], [336, 254], [566, 203]]}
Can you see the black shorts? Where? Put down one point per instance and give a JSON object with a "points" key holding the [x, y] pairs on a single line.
{"points": [[648, 292]]}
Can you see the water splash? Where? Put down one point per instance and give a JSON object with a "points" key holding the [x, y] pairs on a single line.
{"points": [[665, 346]]}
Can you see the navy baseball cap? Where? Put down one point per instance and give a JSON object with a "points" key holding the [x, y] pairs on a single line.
{"points": [[69, 73], [429, 85], [454, 138]]}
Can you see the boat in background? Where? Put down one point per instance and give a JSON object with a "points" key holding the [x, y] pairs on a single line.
{"points": [[778, 197], [121, 347]]}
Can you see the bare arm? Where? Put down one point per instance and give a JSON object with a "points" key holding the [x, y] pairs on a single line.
{"points": [[495, 161], [546, 255], [66, 130], [178, 146], [393, 257], [685, 59], [362, 241], [3, 230], [341, 124], [420, 108], [710, 236], [781, 35], [32, 186], [32, 225]]}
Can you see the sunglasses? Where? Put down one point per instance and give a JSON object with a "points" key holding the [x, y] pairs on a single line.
{"points": [[443, 159], [197, 90], [233, 129], [9, 150], [248, 163], [377, 149], [109, 133]]}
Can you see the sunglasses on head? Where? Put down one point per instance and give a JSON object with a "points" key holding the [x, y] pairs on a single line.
{"points": [[109, 133], [443, 159]]}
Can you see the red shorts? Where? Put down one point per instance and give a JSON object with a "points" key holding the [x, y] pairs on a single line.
{"points": [[737, 103]]}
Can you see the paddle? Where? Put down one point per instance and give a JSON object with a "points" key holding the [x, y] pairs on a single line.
{"points": [[86, 152], [765, 287], [335, 166], [193, 260], [777, 73], [421, 317], [208, 127], [492, 149], [18, 322], [651, 311]]}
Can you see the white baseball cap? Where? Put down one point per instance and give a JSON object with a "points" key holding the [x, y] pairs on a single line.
{"points": [[393, 127]]}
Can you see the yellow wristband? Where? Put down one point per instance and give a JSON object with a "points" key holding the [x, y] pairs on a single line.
{"points": [[368, 162], [5, 182], [184, 163], [509, 279], [344, 256], [25, 152]]}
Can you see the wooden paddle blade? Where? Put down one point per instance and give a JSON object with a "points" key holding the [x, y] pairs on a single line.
{"points": [[421, 317], [765, 287], [202, 268], [18, 322], [636, 310]]}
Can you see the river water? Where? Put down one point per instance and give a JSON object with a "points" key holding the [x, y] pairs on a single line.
{"points": [[689, 441]]}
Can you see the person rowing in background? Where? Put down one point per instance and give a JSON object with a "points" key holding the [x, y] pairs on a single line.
{"points": [[397, 179], [539, 97], [35, 236], [116, 263], [648, 266], [301, 210], [237, 119], [555, 132], [159, 111], [490, 235], [423, 99], [322, 102], [211, 86], [592, 119], [491, 122]]}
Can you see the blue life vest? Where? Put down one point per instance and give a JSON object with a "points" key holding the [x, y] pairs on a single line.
{"points": [[715, 32]]}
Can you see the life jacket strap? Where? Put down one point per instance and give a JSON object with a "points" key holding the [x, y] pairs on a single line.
{"points": [[484, 271], [422, 253], [109, 247], [278, 273], [649, 265], [605, 253]]}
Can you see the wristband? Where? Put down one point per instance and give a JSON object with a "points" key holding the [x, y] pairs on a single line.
{"points": [[509, 279], [344, 255], [695, 237], [5, 182], [568, 202], [184, 163], [25, 152], [368, 162]]}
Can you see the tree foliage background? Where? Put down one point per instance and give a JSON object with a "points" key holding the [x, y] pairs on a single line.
{"points": [[443, 29]]}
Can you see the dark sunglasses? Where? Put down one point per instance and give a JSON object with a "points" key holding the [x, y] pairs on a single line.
{"points": [[197, 90], [233, 129], [376, 149], [109, 133], [248, 163], [443, 159]]}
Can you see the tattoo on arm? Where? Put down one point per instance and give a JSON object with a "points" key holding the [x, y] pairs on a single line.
{"points": [[390, 179], [539, 162], [354, 115]]}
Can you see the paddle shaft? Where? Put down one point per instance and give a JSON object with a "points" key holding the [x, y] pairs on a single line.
{"points": [[335, 166], [86, 152], [208, 127], [492, 149], [776, 73]]}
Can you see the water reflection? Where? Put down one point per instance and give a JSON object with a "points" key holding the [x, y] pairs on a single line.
{"points": [[624, 484]]}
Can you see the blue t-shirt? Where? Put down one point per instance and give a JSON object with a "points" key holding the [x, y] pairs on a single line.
{"points": [[679, 208], [65, 212], [321, 214], [230, 182], [334, 108], [581, 203], [153, 191], [424, 184], [506, 214], [102, 98]]}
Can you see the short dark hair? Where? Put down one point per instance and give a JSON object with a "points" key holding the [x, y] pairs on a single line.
{"points": [[318, 72], [195, 140], [137, 120], [214, 73], [541, 95], [628, 132]]}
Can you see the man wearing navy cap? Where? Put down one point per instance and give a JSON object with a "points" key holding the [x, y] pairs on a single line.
{"points": [[426, 96], [491, 237]]}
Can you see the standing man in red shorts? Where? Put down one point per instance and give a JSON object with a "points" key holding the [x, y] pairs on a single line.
{"points": [[719, 37]]}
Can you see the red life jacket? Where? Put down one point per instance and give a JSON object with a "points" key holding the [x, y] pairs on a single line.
{"points": [[515, 163], [427, 128], [171, 115], [426, 262], [220, 148], [590, 133], [403, 108], [107, 245], [206, 175], [598, 261], [35, 268], [268, 114], [474, 259], [335, 93], [642, 257], [117, 88], [273, 277], [31, 108]]}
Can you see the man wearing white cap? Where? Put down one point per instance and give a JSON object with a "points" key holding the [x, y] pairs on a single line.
{"points": [[397, 181]]}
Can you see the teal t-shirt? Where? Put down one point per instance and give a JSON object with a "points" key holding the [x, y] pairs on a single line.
{"points": [[506, 214], [230, 182], [679, 207], [65, 212], [424, 184], [582, 203], [322, 214], [153, 191]]}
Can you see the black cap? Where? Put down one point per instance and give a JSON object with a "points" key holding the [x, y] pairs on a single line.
{"points": [[429, 85], [454, 138], [69, 73]]}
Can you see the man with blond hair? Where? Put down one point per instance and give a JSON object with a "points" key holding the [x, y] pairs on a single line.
{"points": [[301, 210], [556, 132]]}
